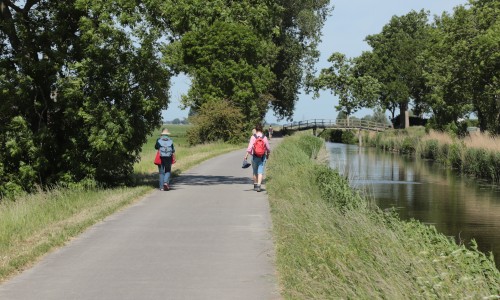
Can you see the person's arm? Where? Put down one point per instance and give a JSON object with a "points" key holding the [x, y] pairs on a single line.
{"points": [[173, 149], [250, 147], [268, 146]]}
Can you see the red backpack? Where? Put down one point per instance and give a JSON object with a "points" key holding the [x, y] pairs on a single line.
{"points": [[259, 146]]}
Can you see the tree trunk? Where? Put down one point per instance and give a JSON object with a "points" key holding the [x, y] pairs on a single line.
{"points": [[404, 121]]}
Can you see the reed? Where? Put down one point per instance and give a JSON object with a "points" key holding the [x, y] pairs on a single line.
{"points": [[476, 155]]}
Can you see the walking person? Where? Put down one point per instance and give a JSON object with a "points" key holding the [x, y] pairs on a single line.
{"points": [[166, 147], [270, 130], [259, 148]]}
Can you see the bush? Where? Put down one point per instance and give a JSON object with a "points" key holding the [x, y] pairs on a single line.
{"points": [[217, 121], [430, 149]]}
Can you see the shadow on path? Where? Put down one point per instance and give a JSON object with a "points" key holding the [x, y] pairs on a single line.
{"points": [[193, 179]]}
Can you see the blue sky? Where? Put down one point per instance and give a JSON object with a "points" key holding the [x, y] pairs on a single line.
{"points": [[344, 31]]}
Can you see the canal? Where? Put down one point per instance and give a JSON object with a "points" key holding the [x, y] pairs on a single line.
{"points": [[460, 207]]}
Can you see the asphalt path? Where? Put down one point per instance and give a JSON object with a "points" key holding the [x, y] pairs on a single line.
{"points": [[209, 237]]}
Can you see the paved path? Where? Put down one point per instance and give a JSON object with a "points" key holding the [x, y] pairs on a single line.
{"points": [[207, 238]]}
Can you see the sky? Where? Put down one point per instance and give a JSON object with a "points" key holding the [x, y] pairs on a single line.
{"points": [[344, 31]]}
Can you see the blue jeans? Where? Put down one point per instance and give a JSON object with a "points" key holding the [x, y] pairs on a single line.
{"points": [[165, 169]]}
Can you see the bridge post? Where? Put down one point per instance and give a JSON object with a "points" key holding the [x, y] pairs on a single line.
{"points": [[314, 131]]}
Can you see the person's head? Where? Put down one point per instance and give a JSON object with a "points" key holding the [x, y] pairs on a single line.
{"points": [[254, 131], [258, 128], [165, 132]]}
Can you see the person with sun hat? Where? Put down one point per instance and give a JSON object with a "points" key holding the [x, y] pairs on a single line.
{"points": [[166, 147]]}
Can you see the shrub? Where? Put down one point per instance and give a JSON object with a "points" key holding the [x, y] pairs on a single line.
{"points": [[430, 149], [408, 145], [217, 120]]}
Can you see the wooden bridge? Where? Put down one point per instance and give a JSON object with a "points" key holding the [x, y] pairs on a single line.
{"points": [[342, 124]]}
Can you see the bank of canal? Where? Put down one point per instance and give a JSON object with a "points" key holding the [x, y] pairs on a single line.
{"points": [[426, 191]]}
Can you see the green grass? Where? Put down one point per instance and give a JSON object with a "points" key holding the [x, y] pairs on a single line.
{"points": [[333, 244], [35, 224]]}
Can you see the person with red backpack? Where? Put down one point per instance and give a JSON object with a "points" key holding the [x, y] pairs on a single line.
{"points": [[259, 148]]}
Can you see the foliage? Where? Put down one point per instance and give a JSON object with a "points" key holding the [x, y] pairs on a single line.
{"points": [[82, 79], [229, 61], [217, 121], [289, 29], [394, 62], [342, 79], [462, 65]]}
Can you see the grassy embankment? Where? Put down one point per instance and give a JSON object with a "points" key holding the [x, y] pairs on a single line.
{"points": [[476, 155], [33, 225], [332, 244]]}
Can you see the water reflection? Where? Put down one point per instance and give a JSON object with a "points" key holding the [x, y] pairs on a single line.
{"points": [[422, 190]]}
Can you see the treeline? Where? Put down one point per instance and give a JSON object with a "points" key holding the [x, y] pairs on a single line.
{"points": [[447, 68], [83, 83]]}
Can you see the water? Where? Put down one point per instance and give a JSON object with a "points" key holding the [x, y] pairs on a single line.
{"points": [[457, 206]]}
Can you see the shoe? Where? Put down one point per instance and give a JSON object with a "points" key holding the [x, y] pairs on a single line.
{"points": [[258, 188], [161, 189], [166, 187], [254, 187]]}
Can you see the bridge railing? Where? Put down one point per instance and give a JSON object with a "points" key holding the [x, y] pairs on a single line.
{"points": [[340, 124]]}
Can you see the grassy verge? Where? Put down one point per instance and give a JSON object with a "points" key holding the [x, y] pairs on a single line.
{"points": [[475, 155], [331, 244], [35, 224]]}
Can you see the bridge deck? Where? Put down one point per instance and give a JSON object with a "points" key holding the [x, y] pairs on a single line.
{"points": [[337, 124]]}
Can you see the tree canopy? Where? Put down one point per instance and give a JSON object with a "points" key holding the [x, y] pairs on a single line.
{"points": [[79, 88], [354, 90]]}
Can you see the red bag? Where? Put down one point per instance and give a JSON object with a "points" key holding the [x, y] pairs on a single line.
{"points": [[259, 146], [173, 158], [158, 158]]}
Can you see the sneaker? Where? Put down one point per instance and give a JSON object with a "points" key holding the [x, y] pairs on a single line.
{"points": [[254, 186], [258, 188], [166, 187], [161, 189]]}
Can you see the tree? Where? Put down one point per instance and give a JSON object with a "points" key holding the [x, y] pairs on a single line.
{"points": [[394, 62], [462, 65], [342, 79], [84, 82], [291, 30], [229, 61]]}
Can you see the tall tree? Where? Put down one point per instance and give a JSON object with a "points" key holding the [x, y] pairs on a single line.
{"points": [[229, 61], [292, 27], [462, 65], [83, 82], [393, 60], [354, 90]]}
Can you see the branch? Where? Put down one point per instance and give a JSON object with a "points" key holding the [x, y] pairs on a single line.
{"points": [[29, 4], [7, 24], [7, 3]]}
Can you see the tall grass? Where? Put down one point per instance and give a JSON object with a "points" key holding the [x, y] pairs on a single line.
{"points": [[32, 225], [476, 155], [332, 245]]}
